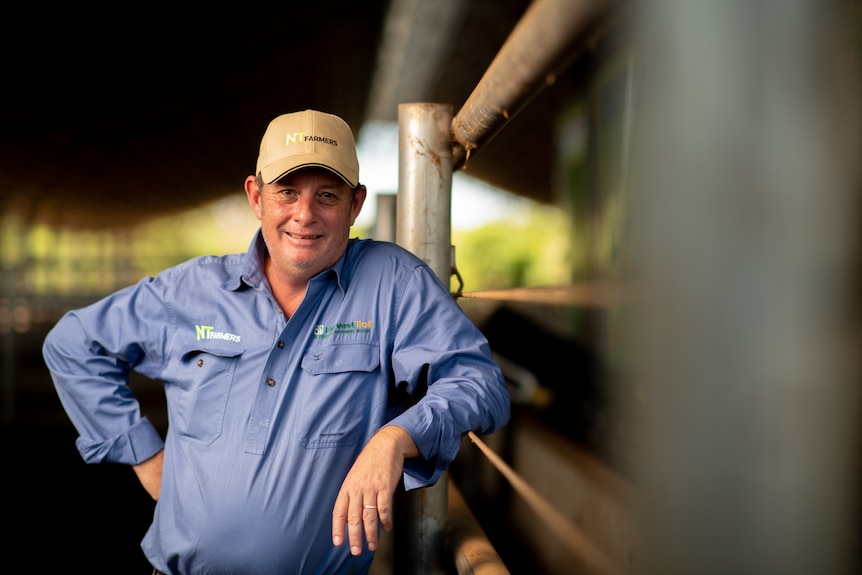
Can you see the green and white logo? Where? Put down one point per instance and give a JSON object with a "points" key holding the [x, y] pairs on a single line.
{"points": [[208, 332], [355, 326]]}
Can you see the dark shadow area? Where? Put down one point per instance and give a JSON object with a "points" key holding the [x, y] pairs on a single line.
{"points": [[576, 406], [490, 496], [571, 374], [63, 515]]}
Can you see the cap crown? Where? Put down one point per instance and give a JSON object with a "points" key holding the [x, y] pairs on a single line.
{"points": [[308, 139]]}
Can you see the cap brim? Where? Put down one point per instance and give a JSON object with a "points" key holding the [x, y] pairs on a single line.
{"points": [[284, 166]]}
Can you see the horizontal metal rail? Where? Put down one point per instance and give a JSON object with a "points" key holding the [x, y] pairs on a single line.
{"points": [[586, 294], [549, 36], [572, 538]]}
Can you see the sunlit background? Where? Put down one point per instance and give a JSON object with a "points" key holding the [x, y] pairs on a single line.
{"points": [[501, 239]]}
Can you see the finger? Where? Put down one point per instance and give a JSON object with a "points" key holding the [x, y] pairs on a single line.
{"points": [[384, 514], [355, 528], [339, 520], [369, 520]]}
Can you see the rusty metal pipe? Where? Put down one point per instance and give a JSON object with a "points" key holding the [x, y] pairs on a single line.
{"points": [[548, 36], [473, 553], [423, 226]]}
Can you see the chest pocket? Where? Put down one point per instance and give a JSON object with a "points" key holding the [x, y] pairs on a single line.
{"points": [[340, 357], [336, 393], [199, 391]]}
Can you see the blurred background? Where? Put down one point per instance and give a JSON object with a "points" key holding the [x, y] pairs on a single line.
{"points": [[658, 234]]}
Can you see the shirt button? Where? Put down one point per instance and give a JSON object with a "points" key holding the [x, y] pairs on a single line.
{"points": [[280, 344], [270, 382]]}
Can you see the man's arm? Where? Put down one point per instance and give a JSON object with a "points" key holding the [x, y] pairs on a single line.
{"points": [[90, 354], [150, 474]]}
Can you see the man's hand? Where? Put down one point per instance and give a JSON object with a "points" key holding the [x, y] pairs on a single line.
{"points": [[150, 474], [366, 493]]}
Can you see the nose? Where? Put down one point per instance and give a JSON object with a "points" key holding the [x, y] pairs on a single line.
{"points": [[304, 209]]}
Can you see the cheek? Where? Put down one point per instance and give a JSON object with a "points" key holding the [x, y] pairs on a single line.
{"points": [[269, 212]]}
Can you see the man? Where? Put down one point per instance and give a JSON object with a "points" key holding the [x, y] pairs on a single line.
{"points": [[303, 378]]}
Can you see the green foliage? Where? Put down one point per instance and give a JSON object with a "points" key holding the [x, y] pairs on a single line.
{"points": [[532, 250], [532, 247], [222, 227]]}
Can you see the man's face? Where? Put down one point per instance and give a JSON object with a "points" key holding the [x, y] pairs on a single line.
{"points": [[305, 218]]}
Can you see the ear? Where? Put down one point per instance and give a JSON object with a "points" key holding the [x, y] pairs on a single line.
{"points": [[253, 192], [358, 200]]}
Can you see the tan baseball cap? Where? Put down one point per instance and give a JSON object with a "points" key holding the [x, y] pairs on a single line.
{"points": [[308, 139]]}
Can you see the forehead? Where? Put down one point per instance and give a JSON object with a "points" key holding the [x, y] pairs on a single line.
{"points": [[315, 176]]}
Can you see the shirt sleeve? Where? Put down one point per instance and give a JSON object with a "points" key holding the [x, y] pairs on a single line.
{"points": [[90, 354], [445, 360]]}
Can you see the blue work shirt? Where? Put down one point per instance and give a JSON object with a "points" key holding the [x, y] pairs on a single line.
{"points": [[266, 415]]}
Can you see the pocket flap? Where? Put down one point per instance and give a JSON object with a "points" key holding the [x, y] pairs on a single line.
{"points": [[340, 357]]}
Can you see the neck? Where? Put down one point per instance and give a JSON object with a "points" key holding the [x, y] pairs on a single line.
{"points": [[287, 291]]}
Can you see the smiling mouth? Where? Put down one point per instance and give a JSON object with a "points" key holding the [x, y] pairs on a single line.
{"points": [[304, 237]]}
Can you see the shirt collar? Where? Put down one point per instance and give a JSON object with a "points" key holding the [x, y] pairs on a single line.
{"points": [[251, 266]]}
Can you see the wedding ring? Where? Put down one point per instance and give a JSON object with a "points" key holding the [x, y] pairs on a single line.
{"points": [[371, 507]]}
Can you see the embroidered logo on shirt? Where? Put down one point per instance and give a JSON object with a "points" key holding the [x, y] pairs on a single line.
{"points": [[355, 326], [208, 332]]}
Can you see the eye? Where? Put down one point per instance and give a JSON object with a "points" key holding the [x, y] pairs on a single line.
{"points": [[328, 198], [287, 193]]}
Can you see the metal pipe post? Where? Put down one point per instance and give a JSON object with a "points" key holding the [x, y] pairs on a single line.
{"points": [[424, 228], [425, 184]]}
